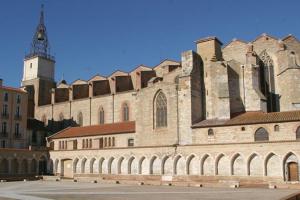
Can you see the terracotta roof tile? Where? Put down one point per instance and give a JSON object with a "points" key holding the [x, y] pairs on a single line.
{"points": [[12, 89], [105, 129], [252, 118]]}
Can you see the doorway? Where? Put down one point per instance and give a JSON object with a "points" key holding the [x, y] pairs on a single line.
{"points": [[293, 174], [67, 168]]}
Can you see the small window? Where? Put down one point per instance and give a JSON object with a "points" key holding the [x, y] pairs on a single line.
{"points": [[18, 111], [125, 111], [30, 65], [66, 145], [276, 128], [17, 130], [113, 141], [91, 143], [243, 128], [83, 143], [5, 110], [5, 96], [131, 142], [109, 142], [210, 132], [101, 116], [105, 142]]}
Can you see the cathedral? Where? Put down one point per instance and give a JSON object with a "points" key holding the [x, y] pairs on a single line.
{"points": [[221, 114]]}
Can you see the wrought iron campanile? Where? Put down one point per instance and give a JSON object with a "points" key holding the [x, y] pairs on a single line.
{"points": [[40, 44]]}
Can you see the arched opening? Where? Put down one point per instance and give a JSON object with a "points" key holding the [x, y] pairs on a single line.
{"points": [[75, 166], [110, 165], [4, 166], [120, 165], [142, 165], [125, 112], [222, 165], [34, 166], [238, 166], [155, 167], [179, 166], [207, 166], [192, 166], [15, 166], [100, 166], [254, 165], [92, 167], [83, 164], [24, 166], [67, 168], [291, 167], [167, 166], [261, 134], [272, 165], [161, 110], [42, 165]]}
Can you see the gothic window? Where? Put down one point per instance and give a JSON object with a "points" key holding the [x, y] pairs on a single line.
{"points": [[161, 110], [210, 132], [80, 119], [101, 115], [261, 134], [298, 133], [125, 110]]}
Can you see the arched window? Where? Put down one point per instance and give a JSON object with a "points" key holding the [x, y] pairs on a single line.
{"points": [[298, 133], [261, 134], [210, 132], [80, 119], [276, 128], [125, 110], [161, 110], [101, 115]]}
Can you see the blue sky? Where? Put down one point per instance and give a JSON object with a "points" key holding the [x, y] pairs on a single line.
{"points": [[91, 37]]}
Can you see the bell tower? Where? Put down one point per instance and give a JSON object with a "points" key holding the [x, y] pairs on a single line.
{"points": [[39, 67]]}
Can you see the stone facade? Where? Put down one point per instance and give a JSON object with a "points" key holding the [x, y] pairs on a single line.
{"points": [[221, 113]]}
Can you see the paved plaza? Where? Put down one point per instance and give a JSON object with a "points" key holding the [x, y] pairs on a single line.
{"points": [[45, 190]]}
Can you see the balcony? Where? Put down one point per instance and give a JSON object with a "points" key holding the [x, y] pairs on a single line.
{"points": [[3, 134], [5, 115], [18, 117]]}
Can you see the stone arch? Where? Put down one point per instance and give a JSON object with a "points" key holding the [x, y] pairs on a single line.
{"points": [[238, 166], [101, 165], [261, 134], [167, 166], [14, 166], [289, 160], [222, 165], [120, 168], [132, 166], [254, 165], [24, 166], [83, 166], [50, 166], [192, 165], [75, 166], [42, 165], [155, 167], [4, 166], [110, 165], [272, 165], [55, 170], [179, 165], [92, 165], [34, 166], [143, 165], [207, 165]]}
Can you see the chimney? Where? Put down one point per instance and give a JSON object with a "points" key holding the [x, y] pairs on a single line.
{"points": [[1, 82], [209, 48]]}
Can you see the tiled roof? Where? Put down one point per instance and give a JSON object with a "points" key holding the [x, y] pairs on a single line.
{"points": [[252, 118], [12, 89], [105, 129]]}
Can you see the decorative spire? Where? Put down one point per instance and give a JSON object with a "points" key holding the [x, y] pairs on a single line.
{"points": [[40, 44]]}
